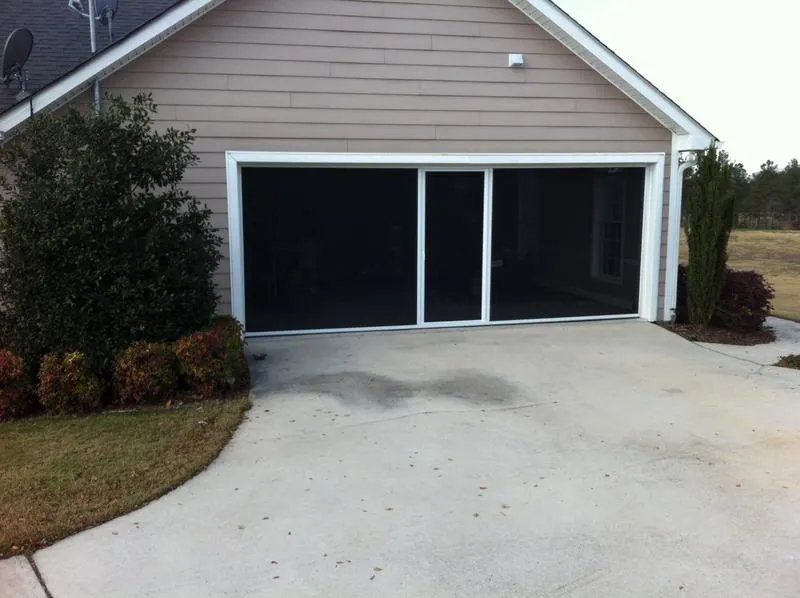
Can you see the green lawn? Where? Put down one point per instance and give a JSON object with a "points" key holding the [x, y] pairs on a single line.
{"points": [[59, 475], [776, 255]]}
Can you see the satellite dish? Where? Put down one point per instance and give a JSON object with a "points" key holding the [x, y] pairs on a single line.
{"points": [[15, 54], [106, 10]]}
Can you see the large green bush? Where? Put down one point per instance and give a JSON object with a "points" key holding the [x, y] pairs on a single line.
{"points": [[709, 219], [100, 245]]}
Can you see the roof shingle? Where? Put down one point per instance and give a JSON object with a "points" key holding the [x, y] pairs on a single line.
{"points": [[61, 37]]}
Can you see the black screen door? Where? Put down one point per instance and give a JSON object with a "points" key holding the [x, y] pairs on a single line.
{"points": [[454, 204], [329, 248]]}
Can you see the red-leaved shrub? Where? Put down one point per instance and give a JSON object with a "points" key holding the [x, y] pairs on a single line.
{"points": [[746, 301], [213, 361], [145, 373], [16, 398], [236, 366], [201, 357], [68, 385]]}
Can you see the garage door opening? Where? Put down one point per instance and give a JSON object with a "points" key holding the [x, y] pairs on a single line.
{"points": [[318, 247]]}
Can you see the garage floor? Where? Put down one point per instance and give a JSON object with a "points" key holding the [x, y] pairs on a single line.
{"points": [[581, 460]]}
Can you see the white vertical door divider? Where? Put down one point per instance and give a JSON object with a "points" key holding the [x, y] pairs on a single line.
{"points": [[487, 245], [420, 247]]}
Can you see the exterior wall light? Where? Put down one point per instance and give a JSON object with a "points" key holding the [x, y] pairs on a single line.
{"points": [[516, 60]]}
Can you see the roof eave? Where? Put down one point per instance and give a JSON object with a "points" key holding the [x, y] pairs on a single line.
{"points": [[105, 63]]}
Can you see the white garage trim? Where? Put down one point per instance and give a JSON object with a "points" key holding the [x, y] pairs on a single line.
{"points": [[653, 163]]}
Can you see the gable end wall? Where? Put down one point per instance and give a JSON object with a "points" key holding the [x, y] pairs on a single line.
{"points": [[378, 76]]}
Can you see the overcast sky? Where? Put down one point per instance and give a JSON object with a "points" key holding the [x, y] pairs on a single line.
{"points": [[733, 65]]}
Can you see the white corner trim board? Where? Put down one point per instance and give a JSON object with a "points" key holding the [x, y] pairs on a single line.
{"points": [[677, 171], [653, 163], [543, 12]]}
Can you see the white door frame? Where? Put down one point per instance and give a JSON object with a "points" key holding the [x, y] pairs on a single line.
{"points": [[422, 203], [652, 217]]}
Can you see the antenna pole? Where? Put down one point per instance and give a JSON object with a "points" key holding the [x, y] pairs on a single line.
{"points": [[93, 42]]}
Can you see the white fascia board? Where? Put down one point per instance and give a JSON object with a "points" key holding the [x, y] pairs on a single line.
{"points": [[619, 73], [107, 61]]}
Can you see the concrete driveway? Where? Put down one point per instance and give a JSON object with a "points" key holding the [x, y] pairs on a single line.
{"points": [[558, 460]]}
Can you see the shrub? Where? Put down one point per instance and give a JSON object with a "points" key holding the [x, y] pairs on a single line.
{"points": [[681, 308], [709, 219], [101, 246], [68, 385], [213, 360], [236, 366], [789, 361], [202, 358], [16, 398], [146, 373], [746, 301]]}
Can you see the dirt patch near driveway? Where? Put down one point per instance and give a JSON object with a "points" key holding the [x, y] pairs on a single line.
{"points": [[723, 336]]}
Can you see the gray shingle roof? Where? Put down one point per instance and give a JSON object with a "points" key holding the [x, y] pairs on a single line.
{"points": [[61, 37]]}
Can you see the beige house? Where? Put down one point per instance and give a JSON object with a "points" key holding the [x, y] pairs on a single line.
{"points": [[378, 164]]}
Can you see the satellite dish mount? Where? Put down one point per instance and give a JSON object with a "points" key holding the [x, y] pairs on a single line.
{"points": [[16, 52], [96, 10]]}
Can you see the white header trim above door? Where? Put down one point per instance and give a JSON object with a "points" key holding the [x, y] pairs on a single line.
{"points": [[245, 158]]}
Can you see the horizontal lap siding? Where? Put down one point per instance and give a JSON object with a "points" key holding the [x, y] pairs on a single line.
{"points": [[376, 76]]}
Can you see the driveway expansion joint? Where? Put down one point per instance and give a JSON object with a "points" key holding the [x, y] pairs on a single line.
{"points": [[38, 574]]}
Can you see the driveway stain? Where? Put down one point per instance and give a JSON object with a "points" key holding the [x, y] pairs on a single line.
{"points": [[470, 386]]}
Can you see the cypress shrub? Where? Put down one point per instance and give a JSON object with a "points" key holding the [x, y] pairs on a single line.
{"points": [[709, 219]]}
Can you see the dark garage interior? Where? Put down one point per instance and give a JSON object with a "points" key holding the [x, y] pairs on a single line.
{"points": [[566, 242], [331, 248], [453, 246]]}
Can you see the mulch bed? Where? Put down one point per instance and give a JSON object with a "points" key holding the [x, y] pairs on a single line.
{"points": [[789, 361], [711, 334]]}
